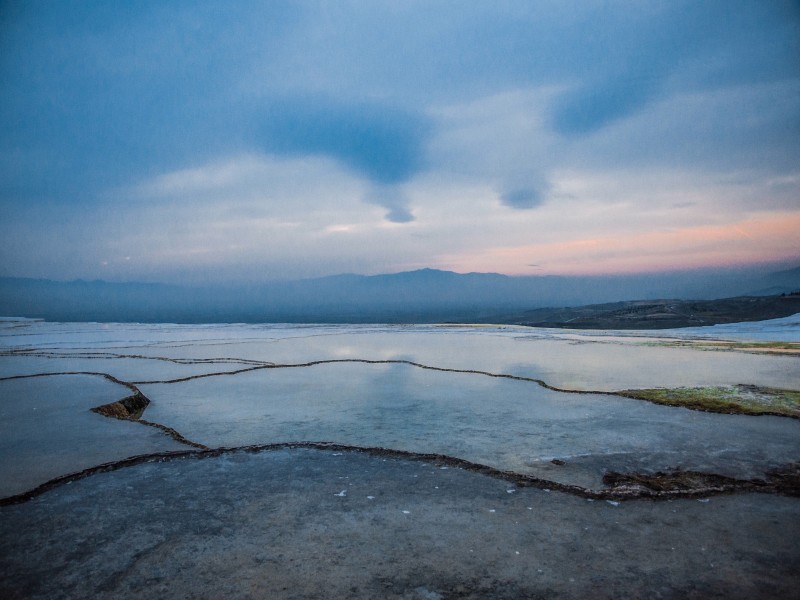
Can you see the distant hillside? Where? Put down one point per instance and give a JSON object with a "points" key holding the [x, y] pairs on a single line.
{"points": [[663, 314], [423, 296]]}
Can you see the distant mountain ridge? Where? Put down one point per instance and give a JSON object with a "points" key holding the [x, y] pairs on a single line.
{"points": [[422, 296]]}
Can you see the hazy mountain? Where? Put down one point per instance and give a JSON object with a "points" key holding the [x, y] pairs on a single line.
{"points": [[426, 295]]}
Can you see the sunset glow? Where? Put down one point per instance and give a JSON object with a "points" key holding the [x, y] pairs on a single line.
{"points": [[769, 238]]}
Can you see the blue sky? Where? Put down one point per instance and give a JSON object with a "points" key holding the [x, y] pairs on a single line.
{"points": [[222, 141]]}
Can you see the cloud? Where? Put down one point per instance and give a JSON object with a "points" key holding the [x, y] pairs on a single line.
{"points": [[595, 105], [746, 129], [95, 94], [394, 199], [762, 238], [632, 67], [678, 47], [255, 217], [296, 188], [523, 198], [382, 143]]}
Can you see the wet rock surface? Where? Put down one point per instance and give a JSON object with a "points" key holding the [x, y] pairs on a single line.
{"points": [[301, 523]]}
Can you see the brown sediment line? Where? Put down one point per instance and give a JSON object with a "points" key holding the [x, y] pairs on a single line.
{"points": [[44, 353], [658, 486], [313, 363], [120, 412], [630, 394], [175, 435], [107, 376], [259, 365], [129, 408]]}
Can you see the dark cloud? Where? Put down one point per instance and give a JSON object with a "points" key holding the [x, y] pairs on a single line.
{"points": [[382, 143], [677, 47], [392, 198], [399, 214], [97, 94], [595, 105], [524, 197], [630, 68]]}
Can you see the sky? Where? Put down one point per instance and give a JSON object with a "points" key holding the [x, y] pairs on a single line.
{"points": [[247, 141]]}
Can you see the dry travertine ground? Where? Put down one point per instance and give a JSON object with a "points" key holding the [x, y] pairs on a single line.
{"points": [[320, 524]]}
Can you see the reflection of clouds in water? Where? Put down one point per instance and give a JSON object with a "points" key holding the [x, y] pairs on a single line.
{"points": [[504, 423], [345, 351], [507, 424]]}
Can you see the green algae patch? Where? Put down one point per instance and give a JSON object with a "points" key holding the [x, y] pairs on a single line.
{"points": [[783, 348], [734, 399]]}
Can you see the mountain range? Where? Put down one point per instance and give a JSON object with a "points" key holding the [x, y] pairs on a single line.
{"points": [[425, 295]]}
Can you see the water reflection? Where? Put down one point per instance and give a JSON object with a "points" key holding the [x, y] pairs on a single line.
{"points": [[507, 424], [503, 423]]}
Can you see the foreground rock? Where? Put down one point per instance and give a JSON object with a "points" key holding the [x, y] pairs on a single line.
{"points": [[322, 524]]}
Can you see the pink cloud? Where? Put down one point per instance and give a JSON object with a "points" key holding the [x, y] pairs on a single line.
{"points": [[764, 238]]}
